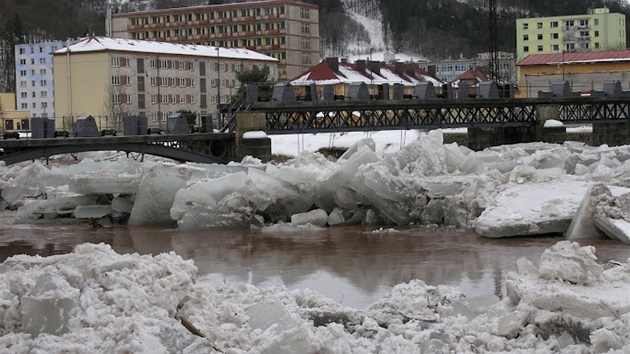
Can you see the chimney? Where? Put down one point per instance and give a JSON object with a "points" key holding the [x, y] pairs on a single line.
{"points": [[344, 60], [360, 65], [375, 67], [399, 67], [333, 63]]}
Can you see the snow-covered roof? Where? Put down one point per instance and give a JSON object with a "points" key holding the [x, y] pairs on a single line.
{"points": [[96, 44], [331, 71]]}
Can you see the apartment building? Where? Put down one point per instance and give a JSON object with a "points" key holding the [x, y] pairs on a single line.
{"points": [[111, 78], [595, 31], [449, 70], [34, 77], [287, 30]]}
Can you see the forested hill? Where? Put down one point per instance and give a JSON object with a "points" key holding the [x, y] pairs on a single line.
{"points": [[431, 28]]}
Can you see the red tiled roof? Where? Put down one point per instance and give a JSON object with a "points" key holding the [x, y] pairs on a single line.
{"points": [[320, 72], [581, 57]]}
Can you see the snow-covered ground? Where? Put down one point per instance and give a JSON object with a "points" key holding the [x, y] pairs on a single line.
{"points": [[98, 301]]}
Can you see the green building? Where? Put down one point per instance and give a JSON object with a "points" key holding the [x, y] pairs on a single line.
{"points": [[597, 30]]}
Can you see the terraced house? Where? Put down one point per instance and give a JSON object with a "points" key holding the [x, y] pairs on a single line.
{"points": [[287, 30]]}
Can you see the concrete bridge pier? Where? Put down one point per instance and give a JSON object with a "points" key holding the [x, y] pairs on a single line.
{"points": [[610, 134], [554, 135], [256, 146], [481, 138]]}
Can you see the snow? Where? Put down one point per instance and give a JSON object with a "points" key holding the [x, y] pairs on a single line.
{"points": [[95, 44], [96, 300]]}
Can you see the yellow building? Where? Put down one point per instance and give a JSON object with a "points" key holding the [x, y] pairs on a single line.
{"points": [[11, 118], [111, 78], [287, 30], [584, 71], [597, 30]]}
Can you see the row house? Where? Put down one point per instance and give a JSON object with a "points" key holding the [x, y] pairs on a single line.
{"points": [[287, 30], [112, 78], [341, 74]]}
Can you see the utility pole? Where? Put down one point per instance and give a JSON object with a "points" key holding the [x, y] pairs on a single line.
{"points": [[493, 41]]}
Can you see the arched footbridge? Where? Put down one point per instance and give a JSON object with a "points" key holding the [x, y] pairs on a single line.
{"points": [[197, 147]]}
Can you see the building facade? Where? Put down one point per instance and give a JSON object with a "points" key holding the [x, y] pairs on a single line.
{"points": [[287, 30], [34, 77], [111, 78], [11, 118], [584, 71], [450, 70], [597, 30]]}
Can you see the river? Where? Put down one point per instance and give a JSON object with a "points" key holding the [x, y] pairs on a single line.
{"points": [[353, 265]]}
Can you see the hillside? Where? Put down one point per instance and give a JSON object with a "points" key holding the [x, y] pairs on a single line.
{"points": [[434, 29]]}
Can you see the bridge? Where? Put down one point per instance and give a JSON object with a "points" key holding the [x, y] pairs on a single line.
{"points": [[197, 147], [489, 122], [326, 117]]}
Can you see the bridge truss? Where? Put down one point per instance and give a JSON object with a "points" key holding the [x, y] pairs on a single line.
{"points": [[321, 117]]}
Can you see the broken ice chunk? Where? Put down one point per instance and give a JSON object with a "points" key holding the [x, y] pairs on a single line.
{"points": [[317, 217]]}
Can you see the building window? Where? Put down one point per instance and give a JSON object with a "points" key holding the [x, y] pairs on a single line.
{"points": [[127, 80], [153, 99], [115, 80], [164, 81], [540, 37], [554, 36], [163, 64], [306, 58], [525, 26], [596, 22], [115, 62], [305, 43], [42, 71], [526, 49], [22, 72], [554, 24], [23, 95], [152, 63], [153, 81], [43, 83], [555, 48], [115, 98], [305, 28], [24, 105], [540, 48], [191, 65], [128, 98], [596, 34], [43, 94], [539, 25], [304, 13], [526, 37], [164, 99]]}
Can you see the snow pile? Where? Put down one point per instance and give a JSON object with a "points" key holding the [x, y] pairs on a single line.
{"points": [[98, 301], [510, 190]]}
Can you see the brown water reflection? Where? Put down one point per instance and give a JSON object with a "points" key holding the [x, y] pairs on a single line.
{"points": [[354, 266]]}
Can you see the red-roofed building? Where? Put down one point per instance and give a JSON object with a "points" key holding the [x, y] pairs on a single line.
{"points": [[471, 78], [341, 74], [585, 71]]}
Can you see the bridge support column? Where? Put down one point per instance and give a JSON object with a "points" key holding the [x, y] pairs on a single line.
{"points": [[610, 134], [481, 138], [555, 135], [258, 146]]}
